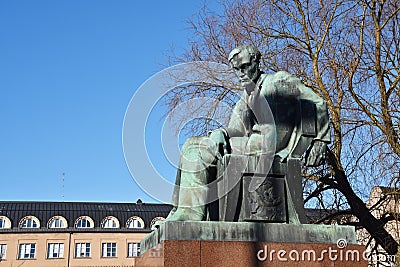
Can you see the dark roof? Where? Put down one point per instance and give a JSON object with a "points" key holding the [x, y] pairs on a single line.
{"points": [[314, 215], [327, 216], [16, 210]]}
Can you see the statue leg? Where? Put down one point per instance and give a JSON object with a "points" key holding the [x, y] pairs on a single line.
{"points": [[191, 192]]}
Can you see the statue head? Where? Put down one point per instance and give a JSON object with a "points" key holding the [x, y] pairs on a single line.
{"points": [[245, 61]]}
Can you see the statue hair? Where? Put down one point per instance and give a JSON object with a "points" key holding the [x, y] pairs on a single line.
{"points": [[248, 49]]}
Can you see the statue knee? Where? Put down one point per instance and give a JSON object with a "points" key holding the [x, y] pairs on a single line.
{"points": [[198, 148]]}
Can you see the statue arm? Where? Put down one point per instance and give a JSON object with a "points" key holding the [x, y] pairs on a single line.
{"points": [[236, 127], [221, 136]]}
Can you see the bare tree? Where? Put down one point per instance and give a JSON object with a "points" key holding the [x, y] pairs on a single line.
{"points": [[348, 52]]}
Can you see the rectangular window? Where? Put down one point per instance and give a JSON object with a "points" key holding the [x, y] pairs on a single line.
{"points": [[27, 251], [3, 250], [55, 250], [133, 250], [82, 250], [109, 250]]}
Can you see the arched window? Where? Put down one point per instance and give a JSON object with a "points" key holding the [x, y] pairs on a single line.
{"points": [[57, 222], [156, 219], [29, 222], [5, 223], [110, 222], [135, 222], [84, 222]]}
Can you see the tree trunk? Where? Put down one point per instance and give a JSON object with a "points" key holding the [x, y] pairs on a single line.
{"points": [[360, 210]]}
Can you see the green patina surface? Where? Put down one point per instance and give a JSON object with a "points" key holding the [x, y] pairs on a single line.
{"points": [[248, 231]]}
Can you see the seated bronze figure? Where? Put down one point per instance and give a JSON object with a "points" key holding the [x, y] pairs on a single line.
{"points": [[254, 163]]}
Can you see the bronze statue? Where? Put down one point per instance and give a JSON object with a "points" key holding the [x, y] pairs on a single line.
{"points": [[269, 119]]}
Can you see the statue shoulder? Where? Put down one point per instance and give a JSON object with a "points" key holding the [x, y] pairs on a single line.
{"points": [[283, 74], [284, 77], [280, 83]]}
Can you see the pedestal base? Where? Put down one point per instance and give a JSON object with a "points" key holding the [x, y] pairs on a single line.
{"points": [[196, 253], [221, 244]]}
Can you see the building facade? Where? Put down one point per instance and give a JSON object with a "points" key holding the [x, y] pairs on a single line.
{"points": [[75, 233], [384, 203], [95, 234]]}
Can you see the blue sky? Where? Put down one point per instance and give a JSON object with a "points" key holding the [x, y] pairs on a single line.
{"points": [[68, 70]]}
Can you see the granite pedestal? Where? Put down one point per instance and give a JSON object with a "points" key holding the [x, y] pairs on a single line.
{"points": [[250, 244]]}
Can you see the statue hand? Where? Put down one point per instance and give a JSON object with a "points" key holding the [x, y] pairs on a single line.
{"points": [[219, 140], [316, 155]]}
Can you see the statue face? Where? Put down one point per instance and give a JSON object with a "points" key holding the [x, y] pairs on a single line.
{"points": [[246, 68]]}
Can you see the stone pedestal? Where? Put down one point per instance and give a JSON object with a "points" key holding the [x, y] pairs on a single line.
{"points": [[217, 244]]}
